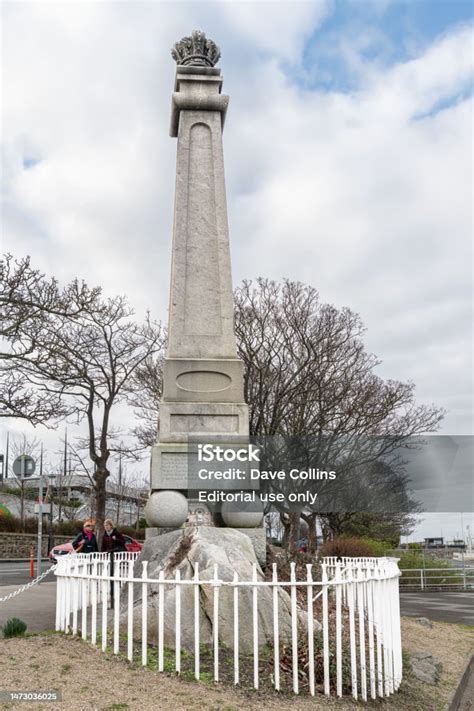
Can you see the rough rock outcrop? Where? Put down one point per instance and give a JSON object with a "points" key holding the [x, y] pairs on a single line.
{"points": [[233, 552]]}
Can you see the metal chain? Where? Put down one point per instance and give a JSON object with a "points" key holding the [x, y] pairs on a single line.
{"points": [[30, 584]]}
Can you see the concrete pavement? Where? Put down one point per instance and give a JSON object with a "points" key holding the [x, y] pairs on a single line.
{"points": [[36, 606]]}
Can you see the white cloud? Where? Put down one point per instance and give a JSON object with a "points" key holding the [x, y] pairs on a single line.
{"points": [[349, 192]]}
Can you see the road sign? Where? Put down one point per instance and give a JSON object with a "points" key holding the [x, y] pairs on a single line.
{"points": [[45, 508], [24, 466]]}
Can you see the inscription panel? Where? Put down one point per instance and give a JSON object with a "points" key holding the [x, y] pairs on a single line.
{"points": [[213, 424], [173, 470]]}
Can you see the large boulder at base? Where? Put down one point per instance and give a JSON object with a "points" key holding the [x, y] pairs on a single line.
{"points": [[206, 546]]}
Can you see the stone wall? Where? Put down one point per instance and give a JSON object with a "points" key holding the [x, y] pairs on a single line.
{"points": [[17, 545]]}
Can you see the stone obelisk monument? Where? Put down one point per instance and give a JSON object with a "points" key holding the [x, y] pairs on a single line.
{"points": [[202, 376]]}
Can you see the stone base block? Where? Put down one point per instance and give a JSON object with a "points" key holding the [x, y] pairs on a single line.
{"points": [[178, 420], [198, 379], [176, 466]]}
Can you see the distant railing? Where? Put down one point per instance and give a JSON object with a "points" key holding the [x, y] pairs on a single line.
{"points": [[460, 578], [453, 578], [357, 651]]}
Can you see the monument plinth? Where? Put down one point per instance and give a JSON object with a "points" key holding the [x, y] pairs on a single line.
{"points": [[202, 376]]}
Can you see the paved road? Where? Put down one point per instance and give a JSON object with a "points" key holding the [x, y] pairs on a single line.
{"points": [[439, 606], [18, 573]]}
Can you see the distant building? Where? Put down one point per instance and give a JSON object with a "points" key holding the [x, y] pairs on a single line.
{"points": [[457, 543], [124, 504], [434, 542]]}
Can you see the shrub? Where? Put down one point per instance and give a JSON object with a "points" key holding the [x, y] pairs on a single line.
{"points": [[352, 548], [12, 524], [14, 628]]}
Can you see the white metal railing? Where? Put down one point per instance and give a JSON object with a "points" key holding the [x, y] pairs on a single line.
{"points": [[461, 578], [357, 603], [455, 578]]}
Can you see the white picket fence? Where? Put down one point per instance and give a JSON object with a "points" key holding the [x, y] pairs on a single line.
{"points": [[357, 599]]}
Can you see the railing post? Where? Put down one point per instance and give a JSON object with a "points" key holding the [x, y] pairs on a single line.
{"points": [[216, 624], [197, 649], [75, 599], [352, 637], [309, 578], [116, 606], [236, 630], [68, 597], [385, 635], [59, 597], [112, 575], [276, 631], [130, 612], [161, 620], [94, 602], [294, 628], [370, 620], [84, 596], [422, 583], [361, 611], [324, 580], [378, 629], [338, 581], [177, 622], [144, 613], [105, 588], [255, 626]]}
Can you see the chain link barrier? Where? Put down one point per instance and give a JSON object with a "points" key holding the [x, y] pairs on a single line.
{"points": [[29, 585]]}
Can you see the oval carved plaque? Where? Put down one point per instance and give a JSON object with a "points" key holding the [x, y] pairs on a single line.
{"points": [[203, 381]]}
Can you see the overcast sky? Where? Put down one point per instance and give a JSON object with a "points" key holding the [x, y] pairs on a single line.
{"points": [[348, 157]]}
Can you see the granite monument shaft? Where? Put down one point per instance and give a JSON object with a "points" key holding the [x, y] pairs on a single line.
{"points": [[202, 376]]}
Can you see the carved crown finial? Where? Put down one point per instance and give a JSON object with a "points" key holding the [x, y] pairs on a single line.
{"points": [[196, 50]]}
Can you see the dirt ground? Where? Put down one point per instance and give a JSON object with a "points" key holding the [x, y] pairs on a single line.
{"points": [[89, 679]]}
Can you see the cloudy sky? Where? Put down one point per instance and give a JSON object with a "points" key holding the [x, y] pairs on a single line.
{"points": [[348, 157]]}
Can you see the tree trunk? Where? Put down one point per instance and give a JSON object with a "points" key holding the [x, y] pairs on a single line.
{"points": [[294, 533], [286, 532], [100, 477], [311, 520], [137, 524]]}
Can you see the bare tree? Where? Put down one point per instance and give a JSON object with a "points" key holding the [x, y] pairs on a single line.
{"points": [[145, 395], [307, 374], [86, 357], [126, 488], [27, 301]]}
